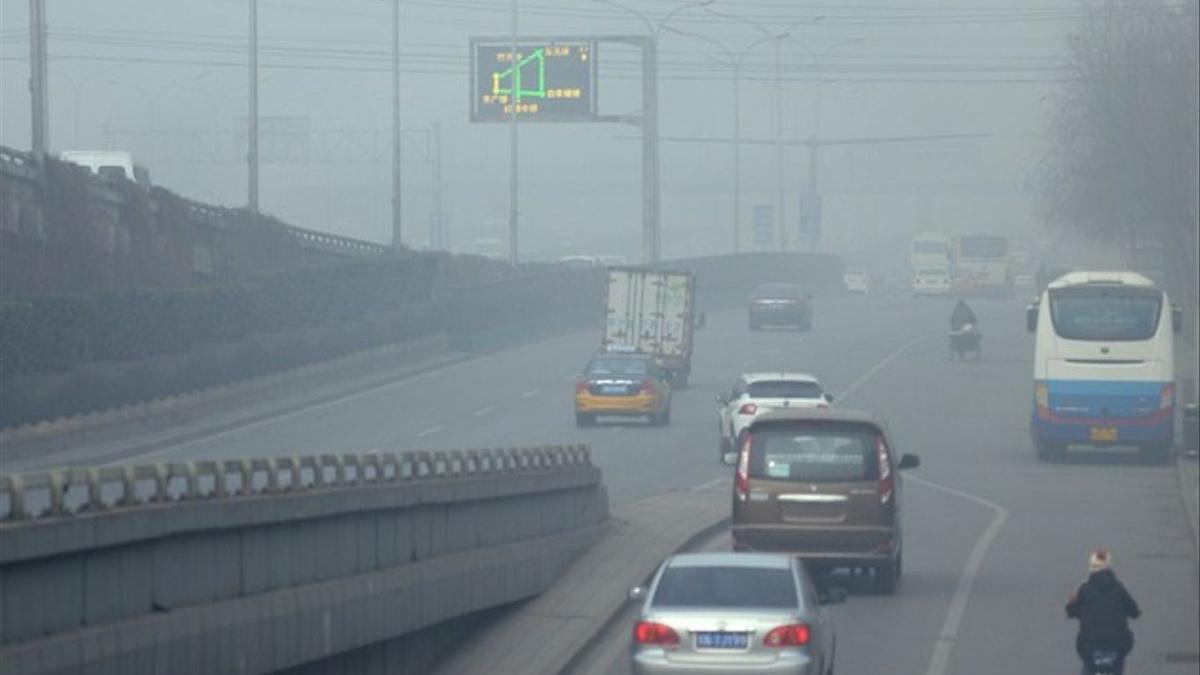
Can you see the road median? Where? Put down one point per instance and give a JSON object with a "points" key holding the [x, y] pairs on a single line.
{"points": [[594, 589]]}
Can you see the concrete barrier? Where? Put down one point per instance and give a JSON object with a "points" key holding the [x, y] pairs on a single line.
{"points": [[260, 565]]}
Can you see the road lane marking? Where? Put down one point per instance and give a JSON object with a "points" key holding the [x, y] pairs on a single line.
{"points": [[716, 482], [430, 431], [531, 393], [484, 411], [966, 581], [849, 391]]}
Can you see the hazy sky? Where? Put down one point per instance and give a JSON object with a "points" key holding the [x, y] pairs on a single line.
{"points": [[167, 80]]}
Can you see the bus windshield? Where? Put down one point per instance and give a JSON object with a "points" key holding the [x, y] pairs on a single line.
{"points": [[1108, 314]]}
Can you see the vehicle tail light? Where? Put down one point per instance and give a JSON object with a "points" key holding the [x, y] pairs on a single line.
{"points": [[651, 633], [741, 479], [581, 386], [887, 483], [748, 409], [647, 385], [794, 635], [1041, 394], [1168, 396]]}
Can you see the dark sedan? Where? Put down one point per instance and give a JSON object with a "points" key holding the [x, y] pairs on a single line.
{"points": [[779, 304]]}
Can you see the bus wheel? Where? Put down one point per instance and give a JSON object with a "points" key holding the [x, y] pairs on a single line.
{"points": [[1157, 453], [1048, 451]]}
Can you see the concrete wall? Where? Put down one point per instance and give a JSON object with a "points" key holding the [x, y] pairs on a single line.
{"points": [[260, 566]]}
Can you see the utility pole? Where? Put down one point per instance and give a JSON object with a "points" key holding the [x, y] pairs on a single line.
{"points": [[651, 224], [397, 217], [252, 118], [37, 79], [513, 100], [783, 238], [737, 155], [443, 231]]}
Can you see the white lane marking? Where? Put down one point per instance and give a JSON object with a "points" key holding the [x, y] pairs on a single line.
{"points": [[966, 581], [849, 391], [404, 380], [430, 431], [716, 482], [484, 411], [531, 393]]}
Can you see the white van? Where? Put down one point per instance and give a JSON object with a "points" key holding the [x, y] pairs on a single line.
{"points": [[109, 164], [1104, 366]]}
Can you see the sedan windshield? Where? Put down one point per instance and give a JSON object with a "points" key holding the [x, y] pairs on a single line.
{"points": [[618, 367], [725, 587], [785, 389]]}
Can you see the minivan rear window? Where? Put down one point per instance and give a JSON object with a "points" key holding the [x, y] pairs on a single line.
{"points": [[725, 587], [784, 389], [814, 454]]}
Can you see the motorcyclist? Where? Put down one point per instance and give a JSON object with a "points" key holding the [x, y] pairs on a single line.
{"points": [[962, 317], [1103, 607]]}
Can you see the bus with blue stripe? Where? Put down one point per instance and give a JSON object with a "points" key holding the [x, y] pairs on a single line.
{"points": [[1104, 364]]}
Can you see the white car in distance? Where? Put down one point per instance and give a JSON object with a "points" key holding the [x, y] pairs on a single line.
{"points": [[931, 281], [756, 393], [856, 281]]}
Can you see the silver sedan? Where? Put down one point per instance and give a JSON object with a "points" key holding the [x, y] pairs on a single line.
{"points": [[733, 613]]}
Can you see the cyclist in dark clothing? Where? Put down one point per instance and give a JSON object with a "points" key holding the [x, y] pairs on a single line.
{"points": [[962, 316], [1104, 608]]}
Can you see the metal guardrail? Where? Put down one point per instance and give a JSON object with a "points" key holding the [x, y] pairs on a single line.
{"points": [[73, 491], [337, 243]]}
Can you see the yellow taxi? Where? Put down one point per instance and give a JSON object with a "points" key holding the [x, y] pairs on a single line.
{"points": [[622, 384]]}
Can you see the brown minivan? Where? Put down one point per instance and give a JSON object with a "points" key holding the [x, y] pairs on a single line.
{"points": [[822, 484]]}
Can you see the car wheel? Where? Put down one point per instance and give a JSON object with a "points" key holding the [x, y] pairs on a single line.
{"points": [[887, 577], [584, 419]]}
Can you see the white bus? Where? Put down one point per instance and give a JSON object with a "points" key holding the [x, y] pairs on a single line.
{"points": [[930, 250], [1104, 368], [981, 265]]}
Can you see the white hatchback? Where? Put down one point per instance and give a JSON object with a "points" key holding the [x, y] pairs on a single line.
{"points": [[756, 393]]}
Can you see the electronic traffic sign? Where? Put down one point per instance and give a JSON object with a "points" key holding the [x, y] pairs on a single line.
{"points": [[547, 81]]}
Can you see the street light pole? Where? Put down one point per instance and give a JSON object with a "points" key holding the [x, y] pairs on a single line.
{"points": [[38, 80], [397, 134], [513, 100], [651, 186], [783, 238], [252, 118]]}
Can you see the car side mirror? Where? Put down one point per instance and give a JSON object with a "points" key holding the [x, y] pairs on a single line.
{"points": [[637, 594], [908, 461], [729, 459], [1176, 318], [1031, 317], [829, 398], [832, 595]]}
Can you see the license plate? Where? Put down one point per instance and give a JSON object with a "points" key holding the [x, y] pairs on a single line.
{"points": [[1104, 434], [612, 389], [722, 640]]}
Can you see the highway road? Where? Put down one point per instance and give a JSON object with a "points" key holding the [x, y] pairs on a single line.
{"points": [[995, 540]]}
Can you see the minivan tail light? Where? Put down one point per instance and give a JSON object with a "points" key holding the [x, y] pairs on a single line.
{"points": [[748, 409], [647, 385], [1168, 397], [794, 635], [741, 479], [887, 483], [652, 633], [581, 386]]}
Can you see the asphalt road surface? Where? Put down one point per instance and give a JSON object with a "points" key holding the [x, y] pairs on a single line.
{"points": [[994, 540]]}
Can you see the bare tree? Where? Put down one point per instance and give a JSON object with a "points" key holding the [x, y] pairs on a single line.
{"points": [[1123, 162]]}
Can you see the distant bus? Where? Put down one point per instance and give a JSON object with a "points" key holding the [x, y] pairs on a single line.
{"points": [[982, 266], [930, 250], [1103, 366], [109, 164]]}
